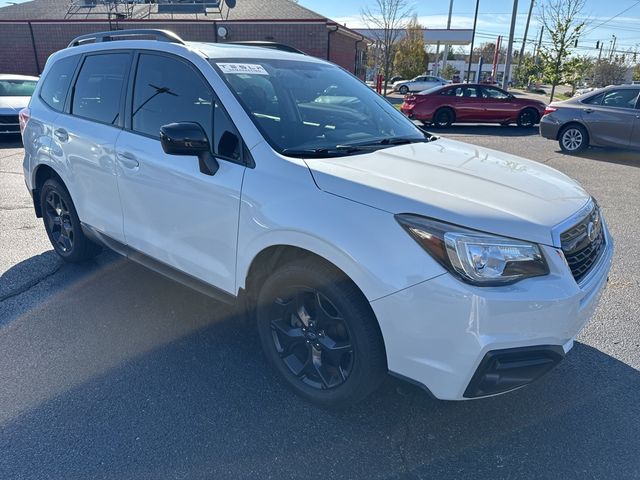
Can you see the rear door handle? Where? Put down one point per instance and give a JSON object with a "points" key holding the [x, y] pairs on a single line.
{"points": [[127, 159], [61, 134]]}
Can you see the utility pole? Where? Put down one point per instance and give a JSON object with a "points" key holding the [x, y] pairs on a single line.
{"points": [[539, 46], [473, 36], [600, 52], [446, 47], [437, 60], [613, 48], [507, 68], [526, 31]]}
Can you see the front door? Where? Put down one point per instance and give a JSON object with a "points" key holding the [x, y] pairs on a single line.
{"points": [[172, 211], [612, 118]]}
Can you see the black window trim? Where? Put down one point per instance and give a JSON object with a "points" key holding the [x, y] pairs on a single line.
{"points": [[245, 159], [621, 89], [120, 123], [69, 87]]}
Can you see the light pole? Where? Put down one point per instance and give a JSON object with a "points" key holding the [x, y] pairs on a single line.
{"points": [[507, 67], [473, 36]]}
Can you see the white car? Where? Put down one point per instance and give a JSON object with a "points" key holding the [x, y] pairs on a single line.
{"points": [[419, 83], [15, 92], [363, 245]]}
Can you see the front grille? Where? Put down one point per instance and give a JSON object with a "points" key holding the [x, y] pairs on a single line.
{"points": [[581, 251], [9, 120]]}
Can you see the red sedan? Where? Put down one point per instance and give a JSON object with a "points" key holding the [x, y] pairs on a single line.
{"points": [[471, 103]]}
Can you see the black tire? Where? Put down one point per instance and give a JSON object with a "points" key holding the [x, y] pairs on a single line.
{"points": [[319, 332], [528, 118], [443, 118], [573, 138], [63, 225], [403, 89]]}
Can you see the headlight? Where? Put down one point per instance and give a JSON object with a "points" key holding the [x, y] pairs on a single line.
{"points": [[478, 258]]}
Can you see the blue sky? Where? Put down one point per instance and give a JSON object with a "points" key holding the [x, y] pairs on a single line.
{"points": [[495, 17]]}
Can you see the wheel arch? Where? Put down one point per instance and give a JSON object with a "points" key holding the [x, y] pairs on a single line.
{"points": [[41, 174]]}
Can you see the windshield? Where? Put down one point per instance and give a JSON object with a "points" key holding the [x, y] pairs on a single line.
{"points": [[302, 106], [17, 88]]}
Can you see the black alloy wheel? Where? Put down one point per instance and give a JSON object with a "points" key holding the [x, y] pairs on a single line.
{"points": [[443, 118], [58, 218], [319, 332], [527, 118], [62, 224], [312, 338]]}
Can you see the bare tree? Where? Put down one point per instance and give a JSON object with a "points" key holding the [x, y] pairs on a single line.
{"points": [[386, 19], [562, 23]]}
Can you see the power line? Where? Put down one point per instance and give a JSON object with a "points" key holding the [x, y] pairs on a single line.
{"points": [[615, 16]]}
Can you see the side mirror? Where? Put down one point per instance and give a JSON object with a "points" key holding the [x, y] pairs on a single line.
{"points": [[188, 138]]}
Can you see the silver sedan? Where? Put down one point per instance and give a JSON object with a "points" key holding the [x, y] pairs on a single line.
{"points": [[15, 93], [609, 117]]}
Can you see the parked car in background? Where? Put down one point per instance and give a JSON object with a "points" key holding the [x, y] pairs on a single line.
{"points": [[395, 78], [421, 82], [15, 93], [609, 117], [471, 103]]}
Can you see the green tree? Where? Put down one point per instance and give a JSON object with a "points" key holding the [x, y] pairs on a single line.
{"points": [[528, 71], [449, 71], [563, 25], [576, 69], [609, 72], [411, 58]]}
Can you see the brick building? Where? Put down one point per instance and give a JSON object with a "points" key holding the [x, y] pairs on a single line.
{"points": [[31, 31]]}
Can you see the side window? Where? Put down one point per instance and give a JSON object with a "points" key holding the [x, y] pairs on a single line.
{"points": [[226, 139], [56, 84], [168, 90], [98, 90], [621, 98], [489, 92], [595, 100]]}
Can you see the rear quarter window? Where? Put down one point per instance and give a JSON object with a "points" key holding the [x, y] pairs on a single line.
{"points": [[55, 85]]}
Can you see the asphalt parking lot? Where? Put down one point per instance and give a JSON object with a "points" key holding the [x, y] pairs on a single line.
{"points": [[110, 371]]}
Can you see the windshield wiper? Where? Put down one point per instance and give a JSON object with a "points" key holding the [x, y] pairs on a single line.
{"points": [[387, 142], [335, 151]]}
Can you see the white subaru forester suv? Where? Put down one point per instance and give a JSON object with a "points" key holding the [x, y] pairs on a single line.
{"points": [[363, 245]]}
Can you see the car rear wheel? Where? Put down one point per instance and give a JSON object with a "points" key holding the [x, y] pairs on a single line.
{"points": [[318, 331], [574, 139], [443, 118], [403, 89], [528, 118], [62, 224]]}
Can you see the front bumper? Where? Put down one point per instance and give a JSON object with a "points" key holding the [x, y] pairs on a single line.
{"points": [[438, 332]]}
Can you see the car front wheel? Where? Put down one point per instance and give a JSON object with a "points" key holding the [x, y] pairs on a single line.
{"points": [[318, 331], [403, 89], [574, 139]]}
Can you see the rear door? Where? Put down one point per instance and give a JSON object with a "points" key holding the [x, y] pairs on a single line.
{"points": [[635, 134], [85, 139], [611, 117], [468, 104], [173, 212]]}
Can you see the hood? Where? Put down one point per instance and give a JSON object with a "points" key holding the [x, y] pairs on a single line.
{"points": [[13, 105], [457, 183]]}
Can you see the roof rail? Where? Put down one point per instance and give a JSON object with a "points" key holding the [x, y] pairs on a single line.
{"points": [[272, 45], [159, 35]]}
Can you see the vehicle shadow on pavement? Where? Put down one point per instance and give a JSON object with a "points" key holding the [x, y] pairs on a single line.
{"points": [[611, 155], [11, 141], [485, 130], [116, 372]]}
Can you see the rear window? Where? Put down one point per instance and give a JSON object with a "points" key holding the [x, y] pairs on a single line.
{"points": [[17, 88], [594, 100], [56, 84]]}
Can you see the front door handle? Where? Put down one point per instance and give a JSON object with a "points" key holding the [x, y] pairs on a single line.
{"points": [[127, 159], [588, 110], [61, 134]]}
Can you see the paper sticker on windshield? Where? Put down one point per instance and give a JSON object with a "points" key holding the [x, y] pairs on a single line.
{"points": [[250, 68]]}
